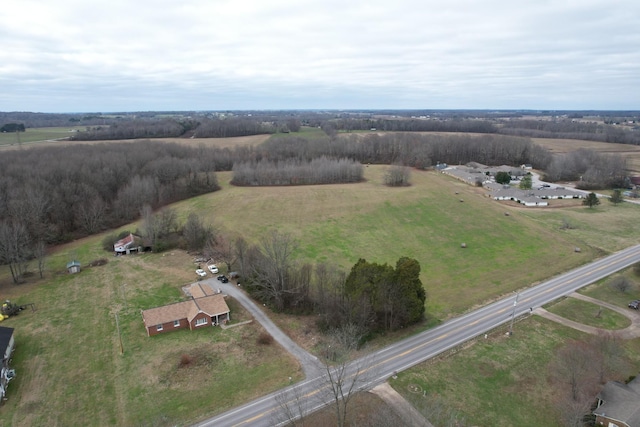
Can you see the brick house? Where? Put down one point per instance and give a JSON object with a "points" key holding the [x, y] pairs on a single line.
{"points": [[204, 308], [619, 404]]}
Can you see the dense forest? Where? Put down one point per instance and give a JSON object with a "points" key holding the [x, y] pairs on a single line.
{"points": [[63, 192]]}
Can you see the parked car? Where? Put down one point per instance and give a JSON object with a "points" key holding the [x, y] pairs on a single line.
{"points": [[200, 272], [213, 268], [223, 278], [635, 304]]}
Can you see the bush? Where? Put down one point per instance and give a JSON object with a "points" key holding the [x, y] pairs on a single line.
{"points": [[185, 360], [265, 338], [108, 241], [621, 283]]}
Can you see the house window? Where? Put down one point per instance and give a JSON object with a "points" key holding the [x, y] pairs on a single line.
{"points": [[159, 327], [202, 321], [176, 323]]}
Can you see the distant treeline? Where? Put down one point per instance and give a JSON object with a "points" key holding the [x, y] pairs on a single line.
{"points": [[297, 172], [60, 193], [544, 124], [412, 149], [571, 129], [409, 125]]}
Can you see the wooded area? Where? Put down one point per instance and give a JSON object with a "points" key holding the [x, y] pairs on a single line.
{"points": [[372, 298], [50, 195]]}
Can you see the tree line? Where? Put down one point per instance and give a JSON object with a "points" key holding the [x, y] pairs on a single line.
{"points": [[408, 125], [322, 170], [591, 170], [60, 193], [372, 297], [171, 127], [571, 129]]}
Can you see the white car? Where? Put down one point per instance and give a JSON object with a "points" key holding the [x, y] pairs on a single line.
{"points": [[200, 272], [213, 268]]}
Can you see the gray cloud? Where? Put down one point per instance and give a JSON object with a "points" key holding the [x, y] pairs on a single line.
{"points": [[74, 55]]}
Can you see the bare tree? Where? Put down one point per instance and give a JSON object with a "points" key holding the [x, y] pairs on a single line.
{"points": [[195, 233], [222, 250], [343, 378], [293, 407], [621, 284], [40, 253], [241, 250], [90, 215], [397, 176], [15, 248], [272, 269], [609, 354], [572, 366]]}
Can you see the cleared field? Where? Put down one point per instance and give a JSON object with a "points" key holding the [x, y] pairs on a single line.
{"points": [[338, 224]]}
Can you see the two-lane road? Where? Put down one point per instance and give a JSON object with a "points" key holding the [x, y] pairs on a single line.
{"points": [[377, 367]]}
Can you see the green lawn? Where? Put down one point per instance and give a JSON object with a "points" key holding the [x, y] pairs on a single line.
{"points": [[35, 134], [501, 381], [70, 369], [589, 314]]}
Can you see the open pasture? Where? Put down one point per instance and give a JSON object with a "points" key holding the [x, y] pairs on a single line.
{"points": [[429, 220]]}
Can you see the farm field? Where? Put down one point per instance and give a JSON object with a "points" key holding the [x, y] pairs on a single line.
{"points": [[9, 140]]}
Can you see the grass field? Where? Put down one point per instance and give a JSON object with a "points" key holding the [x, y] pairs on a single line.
{"points": [[589, 314], [31, 135], [338, 224], [500, 381], [70, 370]]}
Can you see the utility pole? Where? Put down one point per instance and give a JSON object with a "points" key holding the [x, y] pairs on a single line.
{"points": [[513, 314]]}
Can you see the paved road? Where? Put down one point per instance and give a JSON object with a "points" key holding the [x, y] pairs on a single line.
{"points": [[376, 368]]}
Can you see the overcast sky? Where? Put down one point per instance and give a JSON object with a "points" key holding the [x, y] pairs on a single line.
{"points": [[139, 55]]}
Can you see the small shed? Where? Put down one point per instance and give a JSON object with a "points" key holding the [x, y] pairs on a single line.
{"points": [[73, 267]]}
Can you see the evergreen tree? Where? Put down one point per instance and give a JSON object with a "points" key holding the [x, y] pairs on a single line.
{"points": [[616, 197], [591, 200]]}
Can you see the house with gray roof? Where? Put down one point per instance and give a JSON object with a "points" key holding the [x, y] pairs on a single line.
{"points": [[619, 404]]}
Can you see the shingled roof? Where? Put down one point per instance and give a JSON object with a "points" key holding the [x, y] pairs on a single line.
{"points": [[211, 305], [621, 402]]}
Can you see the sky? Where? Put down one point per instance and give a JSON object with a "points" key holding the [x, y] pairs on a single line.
{"points": [[143, 55]]}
